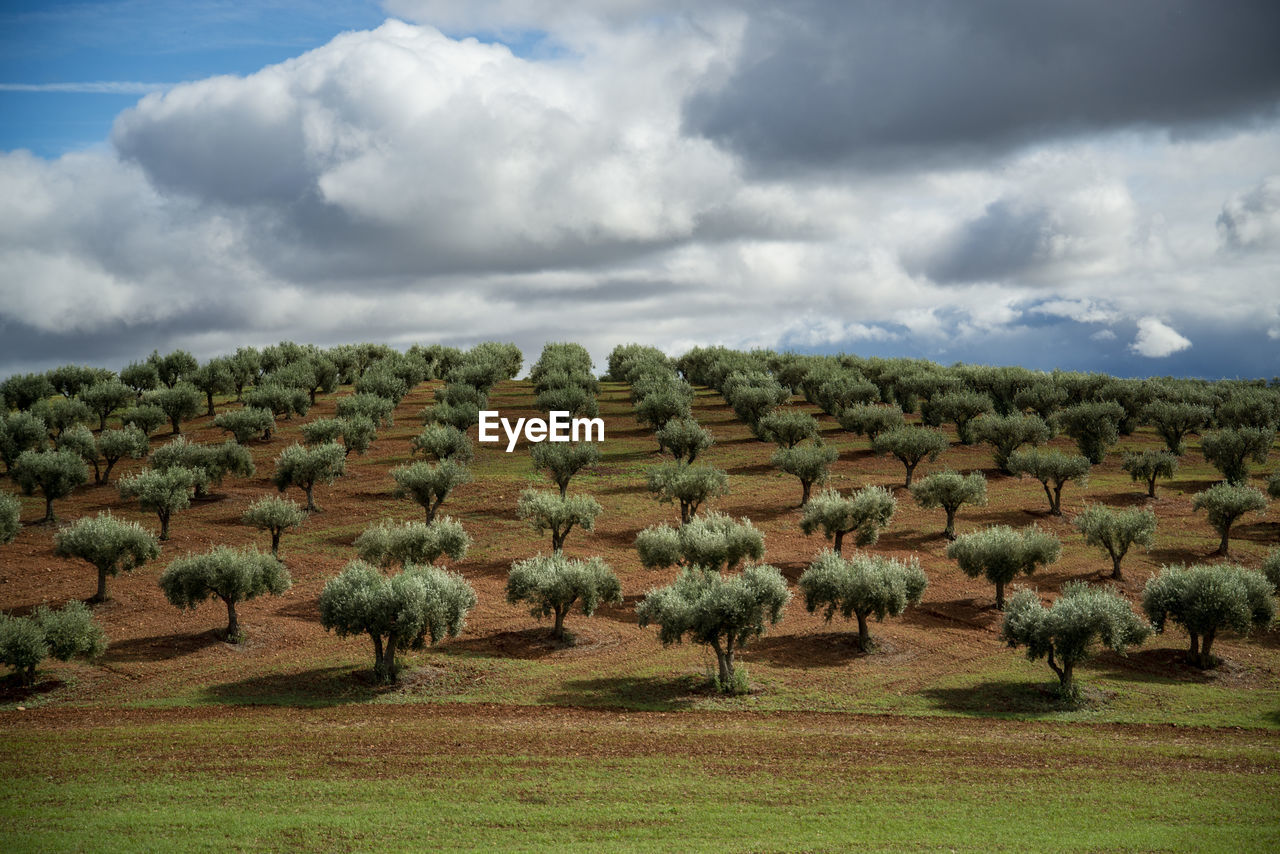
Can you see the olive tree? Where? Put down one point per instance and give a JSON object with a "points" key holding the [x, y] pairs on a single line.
{"points": [[247, 424], [553, 584], [444, 442], [19, 432], [1007, 433], [664, 405], [104, 450], [1095, 426], [861, 586], [723, 612], [788, 427], [378, 409], [1149, 465], [64, 634], [1271, 569], [104, 398], [213, 378], [305, 467], [1173, 420], [689, 485], [1065, 632], [560, 461], [1053, 469], [1116, 531], [912, 446], [109, 544], [575, 400], [842, 391], [950, 490], [1231, 450], [1206, 599], [714, 541], [429, 484], [559, 514], [684, 439], [397, 612], [864, 514], [60, 415], [162, 492], [870, 420], [280, 400], [230, 574], [214, 462], [811, 464], [173, 367], [147, 417], [1224, 504], [23, 391], [410, 543], [10, 518], [960, 408], [179, 403], [55, 473], [140, 377], [1000, 553], [275, 514]]}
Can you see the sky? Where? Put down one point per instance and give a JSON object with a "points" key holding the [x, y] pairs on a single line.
{"points": [[1085, 185]]}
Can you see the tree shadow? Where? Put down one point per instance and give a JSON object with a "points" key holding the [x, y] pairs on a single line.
{"points": [[1257, 532], [1124, 499], [162, 647], [527, 644], [973, 613], [1169, 556], [651, 693], [318, 687], [307, 610], [827, 649], [1163, 666], [13, 691], [1000, 698], [754, 469]]}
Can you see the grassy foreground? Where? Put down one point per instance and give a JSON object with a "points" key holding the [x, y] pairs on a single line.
{"points": [[411, 778]]}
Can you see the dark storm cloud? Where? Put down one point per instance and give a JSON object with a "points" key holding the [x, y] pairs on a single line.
{"points": [[923, 81], [1001, 243]]}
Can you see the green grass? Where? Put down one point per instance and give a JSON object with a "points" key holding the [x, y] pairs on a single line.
{"points": [[349, 783]]}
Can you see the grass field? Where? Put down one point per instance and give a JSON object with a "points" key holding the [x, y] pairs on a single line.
{"points": [[940, 739]]}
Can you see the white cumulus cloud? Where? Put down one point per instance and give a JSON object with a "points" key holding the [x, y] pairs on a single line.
{"points": [[1156, 339]]}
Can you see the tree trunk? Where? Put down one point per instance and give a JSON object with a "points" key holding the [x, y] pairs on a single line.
{"points": [[48, 510], [1206, 658], [378, 665], [1222, 547], [1048, 493], [839, 541], [389, 660], [557, 631], [1056, 501], [950, 531], [106, 474], [233, 624], [164, 523], [685, 513], [564, 488], [805, 487], [101, 595], [1193, 653], [102, 421], [176, 421], [1115, 564], [911, 467], [999, 595], [311, 502], [1151, 487], [432, 507], [864, 636], [209, 397], [557, 540]]}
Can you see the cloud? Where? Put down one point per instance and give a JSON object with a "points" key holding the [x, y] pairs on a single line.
{"points": [[1156, 339], [1252, 220], [403, 185], [822, 83]]}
